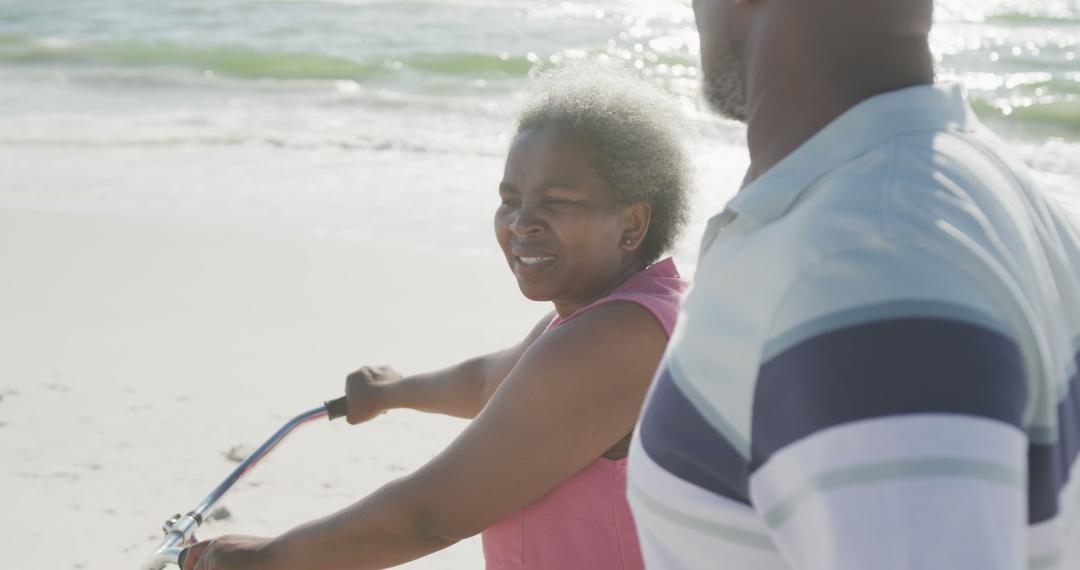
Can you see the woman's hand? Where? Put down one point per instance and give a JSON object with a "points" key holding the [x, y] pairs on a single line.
{"points": [[229, 552], [364, 390]]}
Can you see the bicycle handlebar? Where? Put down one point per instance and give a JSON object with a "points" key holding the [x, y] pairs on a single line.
{"points": [[180, 530], [336, 408]]}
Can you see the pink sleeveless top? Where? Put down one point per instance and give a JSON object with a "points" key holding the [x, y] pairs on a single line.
{"points": [[585, 523]]}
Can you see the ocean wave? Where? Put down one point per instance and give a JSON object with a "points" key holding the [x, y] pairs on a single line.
{"points": [[247, 63], [419, 145], [1033, 19], [1058, 117], [470, 64]]}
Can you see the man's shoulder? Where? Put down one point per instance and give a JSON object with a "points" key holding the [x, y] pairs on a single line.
{"points": [[896, 232], [938, 190]]}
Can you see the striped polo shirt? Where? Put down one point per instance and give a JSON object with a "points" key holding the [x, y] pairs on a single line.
{"points": [[876, 365]]}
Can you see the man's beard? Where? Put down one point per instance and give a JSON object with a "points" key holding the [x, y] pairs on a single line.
{"points": [[724, 84]]}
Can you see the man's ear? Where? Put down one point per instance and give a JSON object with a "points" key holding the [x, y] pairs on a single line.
{"points": [[636, 219]]}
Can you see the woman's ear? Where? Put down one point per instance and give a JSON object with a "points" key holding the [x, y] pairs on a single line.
{"points": [[636, 218]]}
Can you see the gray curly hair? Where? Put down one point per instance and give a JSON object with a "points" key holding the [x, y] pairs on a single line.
{"points": [[631, 130]]}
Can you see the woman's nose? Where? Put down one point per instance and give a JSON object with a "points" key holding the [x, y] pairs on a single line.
{"points": [[525, 223]]}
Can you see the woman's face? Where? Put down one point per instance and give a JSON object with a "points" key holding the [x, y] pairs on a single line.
{"points": [[563, 233]]}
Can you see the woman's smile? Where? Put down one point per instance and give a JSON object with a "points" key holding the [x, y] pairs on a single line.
{"points": [[532, 261], [533, 266]]}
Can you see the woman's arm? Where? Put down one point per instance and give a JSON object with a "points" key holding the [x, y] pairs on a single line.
{"points": [[460, 390], [574, 392]]}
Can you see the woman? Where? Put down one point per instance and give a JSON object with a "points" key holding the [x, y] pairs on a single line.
{"points": [[594, 190]]}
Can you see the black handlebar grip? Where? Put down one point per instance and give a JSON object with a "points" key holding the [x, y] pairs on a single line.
{"points": [[337, 408], [183, 556]]}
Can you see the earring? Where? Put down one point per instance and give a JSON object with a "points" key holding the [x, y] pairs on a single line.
{"points": [[628, 241]]}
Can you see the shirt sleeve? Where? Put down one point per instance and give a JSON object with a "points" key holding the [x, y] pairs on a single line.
{"points": [[887, 419]]}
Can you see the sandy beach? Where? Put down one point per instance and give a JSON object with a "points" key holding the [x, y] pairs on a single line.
{"points": [[137, 355]]}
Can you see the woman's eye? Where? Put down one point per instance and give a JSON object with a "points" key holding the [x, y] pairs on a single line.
{"points": [[509, 202]]}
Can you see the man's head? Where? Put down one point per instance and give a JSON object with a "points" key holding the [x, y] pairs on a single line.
{"points": [[747, 44], [723, 55]]}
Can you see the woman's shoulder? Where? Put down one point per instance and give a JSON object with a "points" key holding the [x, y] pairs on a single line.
{"points": [[659, 278], [658, 289], [618, 322]]}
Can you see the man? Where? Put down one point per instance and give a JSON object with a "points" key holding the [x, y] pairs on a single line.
{"points": [[877, 365]]}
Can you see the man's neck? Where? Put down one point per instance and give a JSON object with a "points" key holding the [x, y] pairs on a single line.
{"points": [[793, 94]]}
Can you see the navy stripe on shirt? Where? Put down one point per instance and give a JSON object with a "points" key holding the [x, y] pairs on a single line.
{"points": [[1049, 465], [857, 373], [680, 440], [883, 368]]}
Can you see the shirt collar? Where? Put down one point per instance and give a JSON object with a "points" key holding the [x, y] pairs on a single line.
{"points": [[925, 107]]}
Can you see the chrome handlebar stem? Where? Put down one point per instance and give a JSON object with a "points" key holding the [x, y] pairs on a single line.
{"points": [[180, 530]]}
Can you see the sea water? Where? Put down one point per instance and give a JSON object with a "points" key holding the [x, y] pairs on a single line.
{"points": [[389, 120]]}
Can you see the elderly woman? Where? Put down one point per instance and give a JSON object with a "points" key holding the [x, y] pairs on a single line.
{"points": [[594, 191]]}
